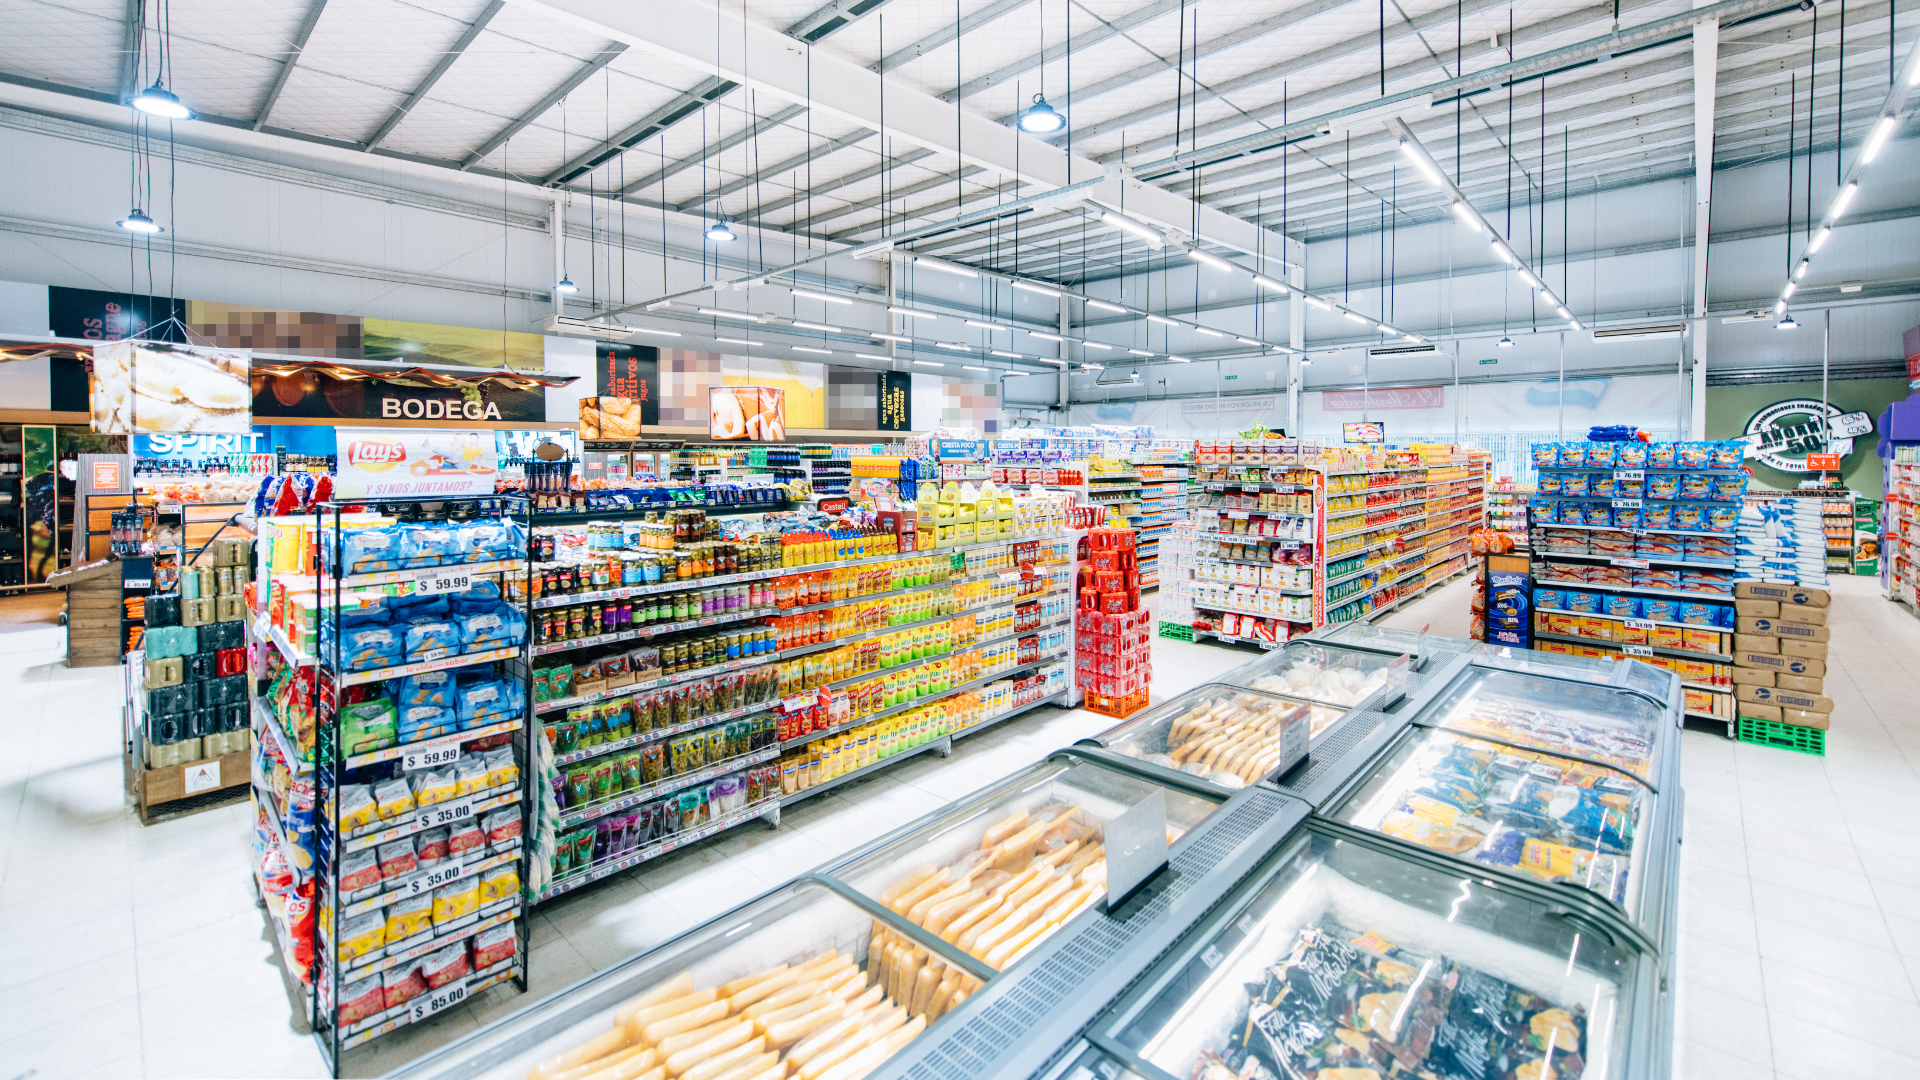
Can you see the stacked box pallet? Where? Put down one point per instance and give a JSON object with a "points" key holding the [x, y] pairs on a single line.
{"points": [[1780, 663], [93, 612]]}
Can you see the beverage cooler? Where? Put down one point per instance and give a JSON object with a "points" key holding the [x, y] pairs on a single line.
{"points": [[1390, 855]]}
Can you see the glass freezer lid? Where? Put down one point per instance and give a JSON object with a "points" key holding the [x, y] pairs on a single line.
{"points": [[1227, 735], [1003, 870], [1590, 721], [1627, 674], [1319, 672], [1352, 963], [1557, 820], [801, 977]]}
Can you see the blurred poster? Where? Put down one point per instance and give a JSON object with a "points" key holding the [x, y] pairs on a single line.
{"points": [[895, 412], [747, 413], [382, 462], [156, 386], [631, 372], [611, 418]]}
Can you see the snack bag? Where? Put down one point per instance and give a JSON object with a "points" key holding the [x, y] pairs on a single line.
{"points": [[1696, 486], [1599, 513], [468, 836], [1663, 455], [359, 870], [427, 638], [501, 826], [362, 1000], [469, 776], [487, 702], [432, 846], [429, 544], [446, 965], [629, 771], [1543, 511], [1577, 483], [496, 628], [1573, 455], [369, 646], [493, 945], [408, 917], [1729, 488], [1660, 610], [579, 787], [456, 900], [1630, 455], [1689, 517], [1602, 455], [1603, 484], [1729, 454], [362, 935], [357, 808], [425, 721], [490, 540], [1630, 489], [398, 858], [499, 883], [1546, 455], [542, 688], [367, 726], [433, 786], [370, 550], [1626, 517], [1656, 516], [1550, 483], [1695, 455], [402, 984], [501, 768], [395, 799]]}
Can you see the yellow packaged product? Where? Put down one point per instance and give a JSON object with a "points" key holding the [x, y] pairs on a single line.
{"points": [[469, 776], [501, 768], [395, 799], [456, 900], [362, 935], [499, 883], [434, 786], [357, 808], [408, 917]]}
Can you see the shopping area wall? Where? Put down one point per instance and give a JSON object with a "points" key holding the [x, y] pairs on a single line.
{"points": [[1776, 409], [1506, 418]]}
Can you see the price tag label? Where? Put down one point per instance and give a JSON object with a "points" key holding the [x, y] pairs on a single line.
{"points": [[1238, 515], [708, 620], [1629, 474], [1639, 624], [441, 581], [136, 583], [1636, 650], [1636, 564], [1626, 504], [797, 702], [445, 814], [433, 879], [428, 1004], [430, 757], [434, 654]]}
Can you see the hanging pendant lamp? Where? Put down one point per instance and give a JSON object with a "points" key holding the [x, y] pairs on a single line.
{"points": [[1042, 118], [157, 100], [720, 234], [139, 222]]}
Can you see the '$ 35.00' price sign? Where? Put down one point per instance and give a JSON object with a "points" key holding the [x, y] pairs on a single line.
{"points": [[428, 1004], [433, 817], [433, 879]]}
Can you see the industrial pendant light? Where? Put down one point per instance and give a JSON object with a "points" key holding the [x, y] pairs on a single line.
{"points": [[1786, 323], [1504, 342], [565, 285], [720, 234], [157, 100], [139, 222], [1042, 118]]}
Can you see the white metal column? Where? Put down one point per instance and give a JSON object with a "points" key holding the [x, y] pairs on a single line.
{"points": [[1706, 61], [1296, 330]]}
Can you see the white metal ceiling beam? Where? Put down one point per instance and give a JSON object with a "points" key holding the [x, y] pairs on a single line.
{"points": [[765, 59], [499, 138], [427, 84], [130, 49], [1099, 33], [684, 104], [299, 44], [836, 15]]}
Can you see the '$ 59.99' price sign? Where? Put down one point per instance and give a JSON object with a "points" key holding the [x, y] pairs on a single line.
{"points": [[430, 757], [442, 581], [428, 1004]]}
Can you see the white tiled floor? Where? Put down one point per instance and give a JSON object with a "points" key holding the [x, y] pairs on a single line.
{"points": [[129, 951]]}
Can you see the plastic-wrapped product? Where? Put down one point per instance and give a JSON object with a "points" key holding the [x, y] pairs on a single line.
{"points": [[1695, 455], [496, 627], [489, 540], [359, 870], [409, 917], [428, 688], [357, 808], [402, 984], [445, 965], [1573, 455], [398, 858], [1601, 455], [493, 945], [371, 645], [1728, 454], [428, 638], [499, 883], [371, 549], [456, 900], [469, 836], [1663, 455], [431, 846], [430, 544], [362, 935], [501, 825], [1656, 515], [501, 768], [1576, 483], [469, 776], [367, 725], [1630, 455], [394, 797], [1622, 607], [362, 1000], [432, 786], [1546, 455]]}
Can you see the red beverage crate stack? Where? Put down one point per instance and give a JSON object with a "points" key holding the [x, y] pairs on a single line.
{"points": [[1113, 665]]}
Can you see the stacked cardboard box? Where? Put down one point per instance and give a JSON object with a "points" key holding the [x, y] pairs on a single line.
{"points": [[1780, 653]]}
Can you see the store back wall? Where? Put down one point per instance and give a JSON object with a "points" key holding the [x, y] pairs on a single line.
{"points": [[1733, 410]]}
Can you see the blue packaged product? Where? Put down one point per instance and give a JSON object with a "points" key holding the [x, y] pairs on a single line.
{"points": [[1549, 483], [1723, 518], [1573, 455], [1696, 486], [430, 544], [1660, 610], [1695, 455], [1630, 455], [494, 628], [1689, 517], [427, 688], [1630, 489], [1723, 616], [1602, 454], [1663, 455], [1626, 517], [1695, 614], [1729, 489], [1663, 486], [488, 702], [429, 638], [1622, 607], [1575, 483], [488, 540], [1729, 454], [424, 721], [1656, 515], [484, 589], [370, 550], [1603, 484], [1549, 600], [1583, 603], [1543, 511], [1546, 455], [405, 609], [1599, 513], [368, 646]]}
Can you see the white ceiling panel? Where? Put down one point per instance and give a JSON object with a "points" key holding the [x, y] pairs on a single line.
{"points": [[319, 103], [73, 45]]}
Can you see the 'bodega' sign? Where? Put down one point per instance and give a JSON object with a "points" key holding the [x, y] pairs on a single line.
{"points": [[413, 408]]}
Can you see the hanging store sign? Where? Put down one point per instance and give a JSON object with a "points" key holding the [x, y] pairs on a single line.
{"points": [[317, 394], [1403, 397], [747, 413], [631, 372], [426, 462], [1785, 433], [895, 411], [156, 386]]}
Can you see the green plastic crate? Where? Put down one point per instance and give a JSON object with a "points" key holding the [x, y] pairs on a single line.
{"points": [[1796, 737], [1176, 631]]}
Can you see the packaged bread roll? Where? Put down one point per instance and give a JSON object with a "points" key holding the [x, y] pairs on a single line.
{"points": [[677, 986], [719, 1042], [726, 1061], [631, 1060], [637, 1020], [660, 1030]]}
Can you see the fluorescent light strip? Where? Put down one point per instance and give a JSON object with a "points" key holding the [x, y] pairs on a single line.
{"points": [[1355, 316], [1214, 261], [1008, 355], [816, 326], [820, 296], [1843, 200], [1465, 214], [873, 356], [1094, 345], [1104, 306], [1093, 367], [889, 337], [1317, 302], [662, 333], [1248, 341], [1045, 337], [953, 345], [1208, 332], [738, 341], [1800, 272], [1878, 140], [1787, 293], [1032, 288], [1180, 359], [988, 325], [1563, 312], [1127, 224], [1268, 283], [1426, 167], [971, 367], [728, 314], [930, 363], [912, 312], [805, 348], [1162, 320], [945, 268], [1820, 237], [1139, 352], [1505, 253]]}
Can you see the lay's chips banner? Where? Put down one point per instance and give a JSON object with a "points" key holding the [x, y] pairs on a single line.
{"points": [[387, 462]]}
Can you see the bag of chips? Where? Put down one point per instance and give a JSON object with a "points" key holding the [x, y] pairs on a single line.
{"points": [[446, 965], [408, 917]]}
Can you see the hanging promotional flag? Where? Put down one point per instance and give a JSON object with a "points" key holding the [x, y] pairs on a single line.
{"points": [[419, 462], [156, 386]]}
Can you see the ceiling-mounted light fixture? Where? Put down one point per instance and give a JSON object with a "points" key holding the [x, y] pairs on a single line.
{"points": [[1819, 238], [954, 345], [929, 363], [1180, 359], [1786, 323], [1162, 320], [873, 356], [1787, 293], [1214, 261], [1140, 352], [1843, 200], [157, 100], [1800, 272], [1248, 341], [1317, 302], [1042, 290], [945, 268], [738, 341], [1001, 352], [1426, 167], [806, 348], [1208, 331], [743, 315], [1355, 316], [1562, 312], [1881, 132], [1504, 343], [139, 222], [1096, 345], [820, 296], [1306, 363], [1144, 232], [1042, 118], [912, 312], [889, 337], [1268, 283], [662, 333], [1045, 337], [973, 367], [1466, 216], [1104, 306], [564, 285], [987, 325], [720, 234], [822, 327], [1501, 250]]}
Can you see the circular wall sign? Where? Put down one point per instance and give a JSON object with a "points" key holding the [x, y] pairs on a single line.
{"points": [[1785, 432]]}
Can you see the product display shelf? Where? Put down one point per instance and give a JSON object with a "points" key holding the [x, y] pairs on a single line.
{"points": [[1616, 560], [334, 845], [1677, 594], [1652, 650], [581, 517], [269, 727], [767, 809]]}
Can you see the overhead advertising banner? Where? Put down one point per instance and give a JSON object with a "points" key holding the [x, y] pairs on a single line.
{"points": [[631, 372], [1364, 433], [319, 395], [747, 413], [895, 411], [420, 462], [1260, 404], [155, 386], [1404, 397], [611, 418]]}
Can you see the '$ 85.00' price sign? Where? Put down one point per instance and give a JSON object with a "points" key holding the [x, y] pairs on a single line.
{"points": [[427, 1004]]}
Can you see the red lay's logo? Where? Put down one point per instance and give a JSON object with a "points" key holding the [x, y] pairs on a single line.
{"points": [[376, 453]]}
